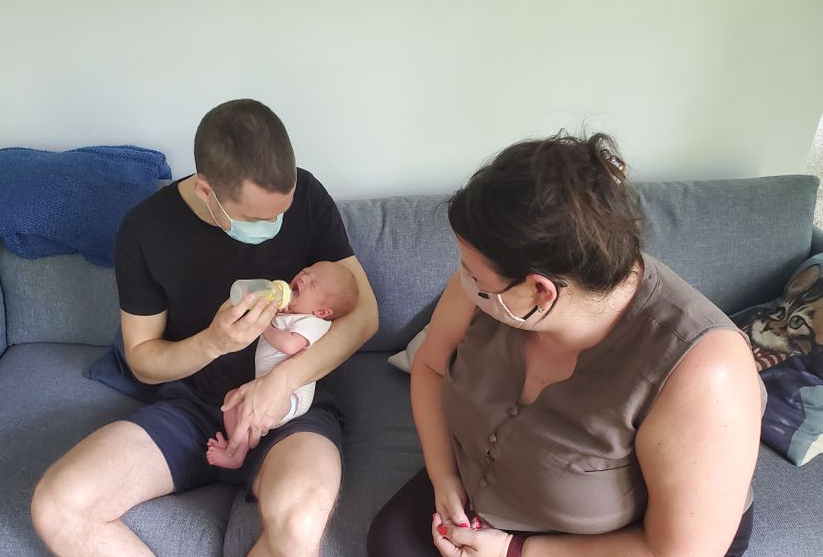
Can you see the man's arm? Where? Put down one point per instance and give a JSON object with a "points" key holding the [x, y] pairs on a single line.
{"points": [[155, 360], [263, 402], [346, 335]]}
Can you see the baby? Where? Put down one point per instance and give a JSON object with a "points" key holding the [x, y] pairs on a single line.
{"points": [[320, 294]]}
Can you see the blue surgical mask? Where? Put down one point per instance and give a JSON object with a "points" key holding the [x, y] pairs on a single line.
{"points": [[249, 232]]}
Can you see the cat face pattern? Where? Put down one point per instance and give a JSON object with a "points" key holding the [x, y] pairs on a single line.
{"points": [[794, 325]]}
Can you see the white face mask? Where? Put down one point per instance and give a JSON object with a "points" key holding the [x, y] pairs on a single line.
{"points": [[494, 306]]}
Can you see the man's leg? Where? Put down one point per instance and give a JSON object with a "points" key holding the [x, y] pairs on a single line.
{"points": [[296, 488], [78, 503]]}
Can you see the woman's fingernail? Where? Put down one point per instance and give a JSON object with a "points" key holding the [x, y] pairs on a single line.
{"points": [[464, 525], [442, 530]]}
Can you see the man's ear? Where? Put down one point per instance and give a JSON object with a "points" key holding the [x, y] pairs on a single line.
{"points": [[201, 187], [323, 313]]}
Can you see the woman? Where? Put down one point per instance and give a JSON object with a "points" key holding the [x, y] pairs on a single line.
{"points": [[596, 404]]}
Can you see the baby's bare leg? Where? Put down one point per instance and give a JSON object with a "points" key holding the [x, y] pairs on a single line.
{"points": [[216, 452]]}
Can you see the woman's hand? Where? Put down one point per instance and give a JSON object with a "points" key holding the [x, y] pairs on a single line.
{"points": [[450, 500], [454, 541]]}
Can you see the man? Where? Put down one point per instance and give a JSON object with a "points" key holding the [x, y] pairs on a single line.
{"points": [[248, 212]]}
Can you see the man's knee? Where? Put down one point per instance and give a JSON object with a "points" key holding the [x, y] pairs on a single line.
{"points": [[57, 503], [296, 520]]}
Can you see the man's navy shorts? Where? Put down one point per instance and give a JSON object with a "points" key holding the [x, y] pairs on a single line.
{"points": [[180, 424]]}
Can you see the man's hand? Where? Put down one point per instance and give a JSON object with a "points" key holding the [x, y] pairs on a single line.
{"points": [[231, 330], [261, 404]]}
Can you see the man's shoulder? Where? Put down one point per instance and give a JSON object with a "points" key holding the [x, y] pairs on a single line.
{"points": [[309, 187], [156, 207], [306, 178]]}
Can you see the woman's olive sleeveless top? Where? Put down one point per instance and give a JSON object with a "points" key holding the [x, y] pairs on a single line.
{"points": [[566, 462]]}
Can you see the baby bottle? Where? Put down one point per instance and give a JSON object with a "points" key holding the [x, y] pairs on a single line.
{"points": [[277, 291]]}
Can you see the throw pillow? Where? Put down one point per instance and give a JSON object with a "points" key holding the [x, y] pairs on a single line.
{"points": [[111, 369], [787, 343], [403, 360]]}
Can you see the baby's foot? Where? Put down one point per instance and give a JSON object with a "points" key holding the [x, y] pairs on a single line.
{"points": [[216, 454], [218, 441]]}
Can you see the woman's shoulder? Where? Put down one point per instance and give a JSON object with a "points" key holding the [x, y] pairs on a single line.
{"points": [[678, 328], [680, 308]]}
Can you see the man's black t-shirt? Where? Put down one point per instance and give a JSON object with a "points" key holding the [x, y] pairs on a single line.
{"points": [[169, 259]]}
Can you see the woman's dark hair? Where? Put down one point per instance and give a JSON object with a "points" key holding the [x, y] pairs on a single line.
{"points": [[244, 140], [558, 207]]}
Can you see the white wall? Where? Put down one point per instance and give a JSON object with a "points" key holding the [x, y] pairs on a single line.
{"points": [[391, 97]]}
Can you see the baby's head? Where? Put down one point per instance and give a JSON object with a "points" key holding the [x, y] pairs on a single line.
{"points": [[327, 290]]}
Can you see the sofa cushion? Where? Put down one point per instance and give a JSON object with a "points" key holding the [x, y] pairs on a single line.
{"points": [[407, 248], [3, 341], [381, 449], [762, 225], [48, 407], [58, 299], [788, 501], [736, 241], [817, 241], [404, 243]]}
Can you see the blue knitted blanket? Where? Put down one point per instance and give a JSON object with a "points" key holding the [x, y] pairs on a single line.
{"points": [[73, 202]]}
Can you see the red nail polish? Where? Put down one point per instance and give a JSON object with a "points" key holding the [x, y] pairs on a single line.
{"points": [[442, 530], [464, 525]]}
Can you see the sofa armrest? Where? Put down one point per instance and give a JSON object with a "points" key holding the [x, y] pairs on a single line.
{"points": [[817, 241], [3, 339]]}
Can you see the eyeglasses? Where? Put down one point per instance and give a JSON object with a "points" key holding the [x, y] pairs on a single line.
{"points": [[558, 284]]}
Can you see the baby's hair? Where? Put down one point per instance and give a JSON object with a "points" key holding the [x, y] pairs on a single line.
{"points": [[342, 292]]}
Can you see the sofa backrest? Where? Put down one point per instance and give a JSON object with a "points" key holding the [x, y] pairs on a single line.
{"points": [[407, 248], [737, 241], [58, 299]]}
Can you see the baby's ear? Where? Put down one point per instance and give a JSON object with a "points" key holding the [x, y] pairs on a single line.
{"points": [[323, 313]]}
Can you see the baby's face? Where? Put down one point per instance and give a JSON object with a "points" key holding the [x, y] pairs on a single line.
{"points": [[309, 288]]}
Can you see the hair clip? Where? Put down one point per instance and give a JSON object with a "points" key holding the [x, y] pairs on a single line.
{"points": [[617, 163]]}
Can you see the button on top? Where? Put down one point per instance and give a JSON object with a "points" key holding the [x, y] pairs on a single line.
{"points": [[492, 438], [514, 411]]}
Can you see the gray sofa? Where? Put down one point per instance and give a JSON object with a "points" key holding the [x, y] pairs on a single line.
{"points": [[736, 241]]}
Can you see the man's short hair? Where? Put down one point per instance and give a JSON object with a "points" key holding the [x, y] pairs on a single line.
{"points": [[244, 140]]}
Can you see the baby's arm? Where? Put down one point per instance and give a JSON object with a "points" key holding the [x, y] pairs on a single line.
{"points": [[286, 342]]}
